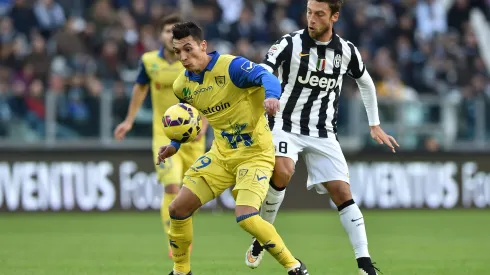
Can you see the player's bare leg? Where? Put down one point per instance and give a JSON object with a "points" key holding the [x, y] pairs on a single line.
{"points": [[353, 222], [181, 232], [283, 171], [249, 220], [171, 191]]}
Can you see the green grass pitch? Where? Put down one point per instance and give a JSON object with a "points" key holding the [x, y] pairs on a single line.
{"points": [[401, 242]]}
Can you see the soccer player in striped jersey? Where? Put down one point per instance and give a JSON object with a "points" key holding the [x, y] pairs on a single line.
{"points": [[311, 64]]}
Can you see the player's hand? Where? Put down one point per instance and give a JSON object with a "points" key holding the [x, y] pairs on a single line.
{"points": [[122, 129], [382, 138], [272, 106], [165, 152]]}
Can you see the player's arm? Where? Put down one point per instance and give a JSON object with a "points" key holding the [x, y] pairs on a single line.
{"points": [[277, 54], [140, 91], [245, 74], [204, 128], [357, 70]]}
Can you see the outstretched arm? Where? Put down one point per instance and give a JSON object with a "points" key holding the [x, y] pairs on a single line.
{"points": [[357, 70], [140, 90]]}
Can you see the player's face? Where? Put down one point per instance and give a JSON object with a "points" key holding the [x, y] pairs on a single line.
{"points": [[166, 37], [191, 53], [320, 18]]}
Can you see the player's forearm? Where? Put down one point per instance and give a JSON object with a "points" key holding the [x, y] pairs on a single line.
{"points": [[205, 125], [137, 98], [271, 85], [368, 95]]}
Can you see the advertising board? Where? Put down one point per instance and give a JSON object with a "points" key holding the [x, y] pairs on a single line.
{"points": [[115, 180]]}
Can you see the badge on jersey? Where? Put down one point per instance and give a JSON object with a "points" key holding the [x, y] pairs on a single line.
{"points": [[321, 64], [242, 173], [272, 50], [220, 80], [337, 61], [248, 66], [260, 177]]}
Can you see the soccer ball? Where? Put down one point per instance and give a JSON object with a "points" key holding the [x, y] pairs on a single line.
{"points": [[182, 123]]}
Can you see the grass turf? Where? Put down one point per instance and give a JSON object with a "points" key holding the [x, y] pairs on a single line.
{"points": [[401, 242]]}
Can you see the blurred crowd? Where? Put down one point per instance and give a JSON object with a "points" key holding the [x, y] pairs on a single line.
{"points": [[68, 54]]}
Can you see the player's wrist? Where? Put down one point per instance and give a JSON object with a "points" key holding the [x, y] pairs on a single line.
{"points": [[175, 144], [129, 120]]}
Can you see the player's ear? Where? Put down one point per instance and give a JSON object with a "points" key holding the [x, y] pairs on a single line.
{"points": [[335, 17], [204, 45]]}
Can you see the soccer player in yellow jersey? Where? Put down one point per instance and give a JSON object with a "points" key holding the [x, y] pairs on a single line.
{"points": [[158, 70], [234, 94]]}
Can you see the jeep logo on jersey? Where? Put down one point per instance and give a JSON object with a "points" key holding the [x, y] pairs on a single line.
{"points": [[314, 81]]}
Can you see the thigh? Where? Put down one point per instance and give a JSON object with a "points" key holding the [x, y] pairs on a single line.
{"points": [[172, 171], [208, 177], [286, 144], [254, 175], [324, 162], [190, 152]]}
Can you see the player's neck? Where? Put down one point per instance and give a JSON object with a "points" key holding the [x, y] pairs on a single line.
{"points": [[326, 36]]}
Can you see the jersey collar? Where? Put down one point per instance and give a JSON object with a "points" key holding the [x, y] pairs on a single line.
{"points": [[161, 54], [214, 58]]}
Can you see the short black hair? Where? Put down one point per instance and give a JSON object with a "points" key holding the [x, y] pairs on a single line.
{"points": [[183, 30], [334, 5], [170, 20]]}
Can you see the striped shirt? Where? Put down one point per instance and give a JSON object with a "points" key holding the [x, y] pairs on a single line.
{"points": [[311, 74]]}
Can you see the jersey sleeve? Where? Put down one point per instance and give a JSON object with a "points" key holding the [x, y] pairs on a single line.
{"points": [[143, 78], [277, 54], [245, 74], [356, 67]]}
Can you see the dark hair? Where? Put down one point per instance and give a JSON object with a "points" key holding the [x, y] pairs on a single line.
{"points": [[334, 5], [183, 30], [170, 20]]}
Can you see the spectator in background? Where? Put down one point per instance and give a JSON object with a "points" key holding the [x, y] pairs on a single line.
{"points": [[50, 16], [5, 112], [412, 48], [23, 17], [431, 18], [39, 57]]}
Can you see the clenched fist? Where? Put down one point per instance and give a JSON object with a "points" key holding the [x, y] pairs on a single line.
{"points": [[272, 106]]}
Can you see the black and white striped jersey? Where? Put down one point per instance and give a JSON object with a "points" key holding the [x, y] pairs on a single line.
{"points": [[311, 74]]}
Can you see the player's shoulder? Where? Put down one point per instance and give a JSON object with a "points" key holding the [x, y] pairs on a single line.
{"points": [[227, 57], [345, 42], [179, 84], [181, 79], [149, 56]]}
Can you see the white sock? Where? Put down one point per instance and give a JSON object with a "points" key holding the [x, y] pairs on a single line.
{"points": [[353, 222], [271, 204]]}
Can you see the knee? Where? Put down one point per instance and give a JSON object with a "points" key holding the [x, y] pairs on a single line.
{"points": [[172, 188], [178, 210]]}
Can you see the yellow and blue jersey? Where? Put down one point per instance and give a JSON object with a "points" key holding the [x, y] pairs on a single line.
{"points": [[230, 93], [156, 71]]}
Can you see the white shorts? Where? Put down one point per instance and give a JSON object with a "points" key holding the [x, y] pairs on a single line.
{"points": [[323, 157]]}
